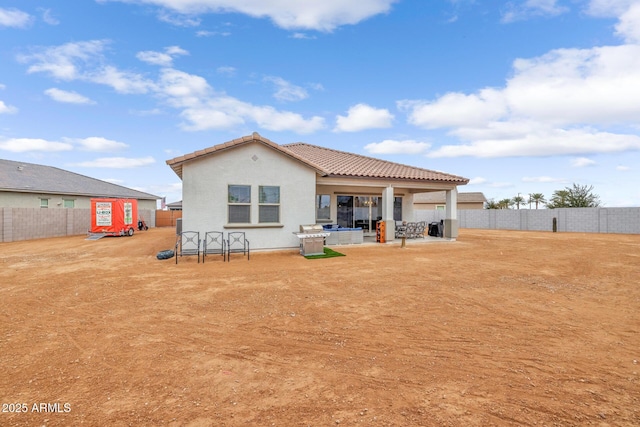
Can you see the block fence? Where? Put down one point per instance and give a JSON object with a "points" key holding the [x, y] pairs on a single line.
{"points": [[583, 220], [37, 223]]}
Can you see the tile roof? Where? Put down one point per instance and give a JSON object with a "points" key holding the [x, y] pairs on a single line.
{"points": [[329, 162], [33, 178], [341, 163], [177, 162], [440, 197]]}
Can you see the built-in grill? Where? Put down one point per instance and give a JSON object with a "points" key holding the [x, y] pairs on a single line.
{"points": [[311, 239]]}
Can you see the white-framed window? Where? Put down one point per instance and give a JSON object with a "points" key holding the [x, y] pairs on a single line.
{"points": [[323, 206], [440, 207], [268, 204], [68, 203], [44, 203], [239, 204]]}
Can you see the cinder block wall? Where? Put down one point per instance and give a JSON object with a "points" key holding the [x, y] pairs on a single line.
{"points": [[37, 223], [584, 220]]}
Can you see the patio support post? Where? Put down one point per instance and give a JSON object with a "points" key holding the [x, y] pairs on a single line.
{"points": [[451, 214], [387, 214]]}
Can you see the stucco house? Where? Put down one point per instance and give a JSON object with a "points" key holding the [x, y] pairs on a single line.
{"points": [[268, 190], [28, 185], [438, 200]]}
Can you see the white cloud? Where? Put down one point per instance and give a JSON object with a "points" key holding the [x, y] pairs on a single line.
{"points": [[21, 145], [542, 179], [163, 59], [623, 168], [609, 8], [97, 143], [117, 162], [179, 20], [205, 33], [204, 109], [389, 146], [477, 180], [567, 101], [361, 117], [7, 109], [456, 109], [286, 91], [629, 26], [302, 36], [84, 61], [580, 162], [48, 17], [531, 8], [320, 15], [67, 96], [543, 142], [226, 71], [14, 18], [65, 61], [201, 107], [121, 81]]}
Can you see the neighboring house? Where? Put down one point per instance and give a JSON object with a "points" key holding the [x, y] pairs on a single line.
{"points": [[174, 206], [28, 185], [268, 190], [438, 200]]}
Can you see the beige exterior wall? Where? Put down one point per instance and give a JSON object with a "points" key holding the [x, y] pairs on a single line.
{"points": [[205, 194], [32, 200]]}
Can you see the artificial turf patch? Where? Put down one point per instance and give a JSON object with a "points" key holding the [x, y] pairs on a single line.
{"points": [[328, 253]]}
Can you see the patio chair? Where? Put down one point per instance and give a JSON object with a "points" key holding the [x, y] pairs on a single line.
{"points": [[236, 243], [188, 243], [411, 230], [401, 229], [421, 228], [213, 244]]}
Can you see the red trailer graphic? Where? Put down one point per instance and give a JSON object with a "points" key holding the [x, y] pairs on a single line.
{"points": [[114, 217]]}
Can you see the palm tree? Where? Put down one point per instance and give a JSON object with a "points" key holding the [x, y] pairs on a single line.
{"points": [[492, 204], [517, 200], [505, 203], [537, 198]]}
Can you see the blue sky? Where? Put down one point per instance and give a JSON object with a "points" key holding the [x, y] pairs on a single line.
{"points": [[522, 96]]}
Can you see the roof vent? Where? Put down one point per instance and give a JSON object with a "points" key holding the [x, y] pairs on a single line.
{"points": [[20, 167]]}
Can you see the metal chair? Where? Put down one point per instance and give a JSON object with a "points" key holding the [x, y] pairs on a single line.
{"points": [[213, 244], [236, 243], [188, 243]]}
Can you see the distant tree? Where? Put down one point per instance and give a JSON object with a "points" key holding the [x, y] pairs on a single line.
{"points": [[578, 196], [491, 204], [505, 203], [518, 200], [537, 198]]}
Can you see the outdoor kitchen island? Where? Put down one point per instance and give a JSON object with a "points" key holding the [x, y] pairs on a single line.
{"points": [[314, 237], [343, 236]]}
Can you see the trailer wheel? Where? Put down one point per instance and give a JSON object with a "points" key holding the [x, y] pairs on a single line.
{"points": [[130, 232]]}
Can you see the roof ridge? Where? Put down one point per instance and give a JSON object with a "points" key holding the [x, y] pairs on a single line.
{"points": [[65, 171], [176, 162], [372, 158]]}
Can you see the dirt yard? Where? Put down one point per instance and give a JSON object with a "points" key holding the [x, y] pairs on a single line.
{"points": [[498, 328]]}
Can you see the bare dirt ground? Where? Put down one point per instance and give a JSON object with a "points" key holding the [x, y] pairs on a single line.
{"points": [[497, 328]]}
